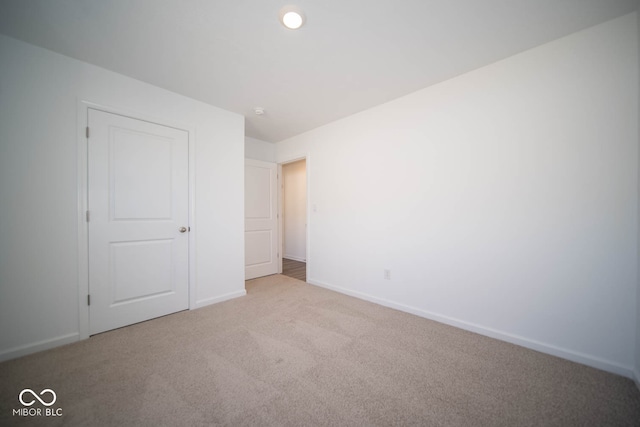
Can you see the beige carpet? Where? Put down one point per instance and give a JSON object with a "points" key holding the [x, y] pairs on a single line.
{"points": [[293, 354]]}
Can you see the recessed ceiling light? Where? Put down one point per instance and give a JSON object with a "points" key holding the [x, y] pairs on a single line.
{"points": [[259, 111], [291, 17]]}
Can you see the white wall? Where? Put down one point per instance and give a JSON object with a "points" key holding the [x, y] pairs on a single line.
{"points": [[257, 149], [503, 201], [39, 284], [295, 210]]}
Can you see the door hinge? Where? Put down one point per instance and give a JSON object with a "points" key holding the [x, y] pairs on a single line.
{"points": [[88, 216], [88, 299], [87, 132]]}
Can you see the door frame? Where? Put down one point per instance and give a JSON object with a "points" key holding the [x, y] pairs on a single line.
{"points": [[281, 162], [82, 201]]}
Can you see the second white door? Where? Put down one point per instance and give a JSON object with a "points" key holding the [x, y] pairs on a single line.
{"points": [[261, 219]]}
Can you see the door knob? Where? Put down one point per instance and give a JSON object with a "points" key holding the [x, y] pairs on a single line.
{"points": [[182, 229]]}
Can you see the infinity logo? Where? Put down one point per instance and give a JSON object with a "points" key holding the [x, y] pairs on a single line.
{"points": [[46, 390]]}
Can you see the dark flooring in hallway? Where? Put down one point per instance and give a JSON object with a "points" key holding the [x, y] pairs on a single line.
{"points": [[295, 269]]}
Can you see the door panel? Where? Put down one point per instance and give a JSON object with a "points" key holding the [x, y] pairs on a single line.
{"points": [[261, 219], [140, 196], [138, 201], [140, 270], [259, 245]]}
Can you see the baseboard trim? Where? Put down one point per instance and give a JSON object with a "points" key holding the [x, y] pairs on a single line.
{"points": [[563, 353], [214, 300], [38, 346], [26, 349], [294, 258]]}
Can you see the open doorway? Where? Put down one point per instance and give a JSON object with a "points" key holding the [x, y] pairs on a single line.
{"points": [[294, 219]]}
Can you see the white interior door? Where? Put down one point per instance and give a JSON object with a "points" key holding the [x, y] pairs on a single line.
{"points": [[260, 219], [138, 193]]}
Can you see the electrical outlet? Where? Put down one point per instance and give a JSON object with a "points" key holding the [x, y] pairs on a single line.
{"points": [[387, 274]]}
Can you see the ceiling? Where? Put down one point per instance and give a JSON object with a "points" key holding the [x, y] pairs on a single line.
{"points": [[349, 56]]}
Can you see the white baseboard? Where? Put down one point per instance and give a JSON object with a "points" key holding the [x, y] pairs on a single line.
{"points": [[35, 347], [26, 349], [573, 356], [294, 258], [214, 300]]}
